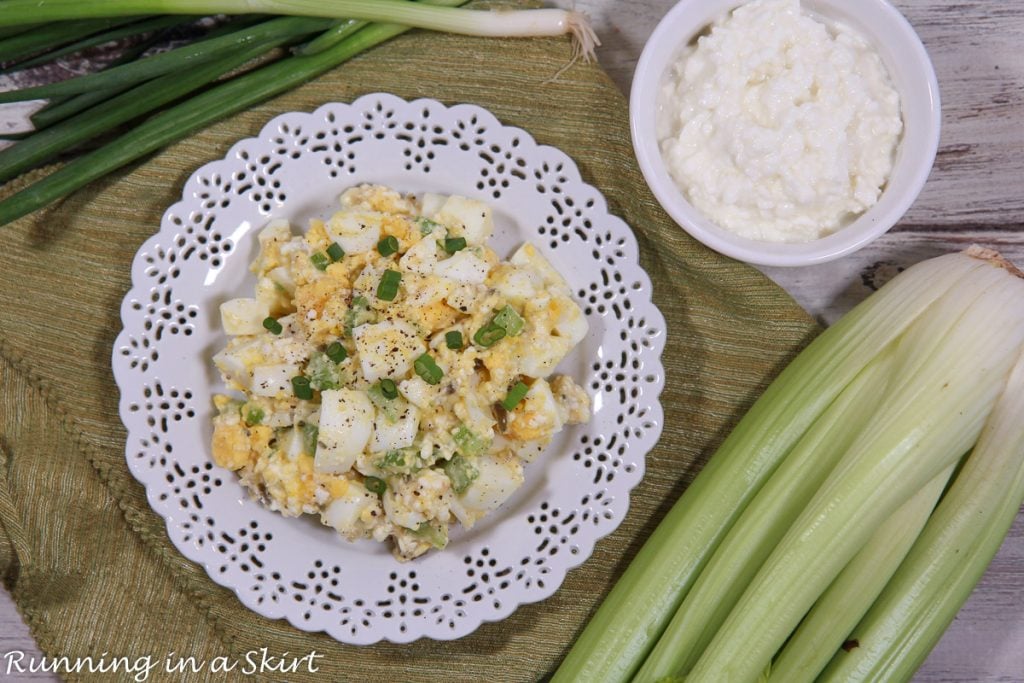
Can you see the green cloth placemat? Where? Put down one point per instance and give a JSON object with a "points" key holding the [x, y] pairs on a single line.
{"points": [[89, 563]]}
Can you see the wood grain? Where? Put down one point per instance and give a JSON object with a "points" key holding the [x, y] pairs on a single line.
{"points": [[975, 195]]}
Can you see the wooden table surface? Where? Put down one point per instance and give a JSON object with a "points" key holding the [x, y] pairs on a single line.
{"points": [[975, 195]]}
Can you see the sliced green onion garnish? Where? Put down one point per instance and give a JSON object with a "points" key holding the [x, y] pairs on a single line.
{"points": [[454, 244], [301, 387], [336, 352], [272, 325], [335, 252], [426, 367], [375, 485], [515, 395], [460, 472], [489, 335], [388, 287], [388, 245], [388, 388], [319, 260], [509, 320], [453, 339]]}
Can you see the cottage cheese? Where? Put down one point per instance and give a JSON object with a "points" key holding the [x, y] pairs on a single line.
{"points": [[778, 127]]}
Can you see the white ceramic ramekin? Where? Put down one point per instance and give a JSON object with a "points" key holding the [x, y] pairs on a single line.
{"points": [[909, 67]]}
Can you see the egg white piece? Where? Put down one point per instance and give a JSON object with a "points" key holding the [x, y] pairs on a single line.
{"points": [[346, 424]]}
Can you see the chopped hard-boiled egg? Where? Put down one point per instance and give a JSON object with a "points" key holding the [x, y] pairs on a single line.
{"points": [[346, 422], [355, 232], [387, 349], [467, 218], [395, 371], [243, 316], [463, 267]]}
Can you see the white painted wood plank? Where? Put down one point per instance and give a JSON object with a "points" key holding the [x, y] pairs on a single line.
{"points": [[15, 638]]}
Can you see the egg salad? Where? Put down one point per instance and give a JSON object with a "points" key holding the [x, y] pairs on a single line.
{"points": [[392, 374]]}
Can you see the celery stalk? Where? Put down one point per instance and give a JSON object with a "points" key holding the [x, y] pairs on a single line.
{"points": [[937, 403], [763, 524], [636, 611], [828, 625], [949, 557]]}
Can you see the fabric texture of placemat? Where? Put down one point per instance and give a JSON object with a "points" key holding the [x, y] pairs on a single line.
{"points": [[89, 563]]}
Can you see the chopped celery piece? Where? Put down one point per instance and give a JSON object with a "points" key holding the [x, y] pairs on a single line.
{"points": [[357, 314], [460, 472], [468, 443], [310, 434], [436, 534], [323, 373], [390, 408], [510, 321], [401, 461]]}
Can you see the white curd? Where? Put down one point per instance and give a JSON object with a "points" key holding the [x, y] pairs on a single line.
{"points": [[778, 127]]}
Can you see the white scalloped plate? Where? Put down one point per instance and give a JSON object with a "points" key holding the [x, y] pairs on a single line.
{"points": [[575, 493]]}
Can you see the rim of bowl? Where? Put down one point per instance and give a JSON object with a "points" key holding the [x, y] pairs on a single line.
{"points": [[909, 68]]}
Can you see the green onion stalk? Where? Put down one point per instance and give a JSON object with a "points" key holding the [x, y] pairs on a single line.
{"points": [[173, 61], [60, 108], [132, 29], [500, 23], [180, 120], [28, 43], [142, 99], [341, 30]]}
